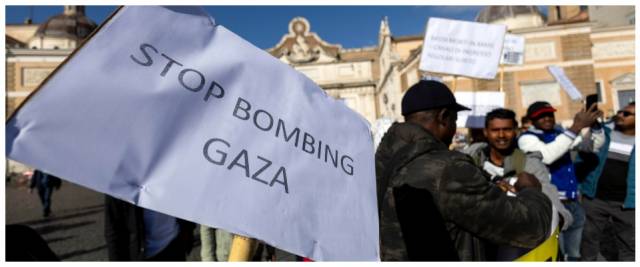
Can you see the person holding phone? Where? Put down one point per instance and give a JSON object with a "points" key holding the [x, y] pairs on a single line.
{"points": [[555, 144], [609, 189]]}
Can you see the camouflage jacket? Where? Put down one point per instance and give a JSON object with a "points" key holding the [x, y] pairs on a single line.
{"points": [[472, 210]]}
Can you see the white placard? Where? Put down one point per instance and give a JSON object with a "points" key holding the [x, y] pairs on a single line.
{"points": [[480, 104], [462, 48], [565, 83], [177, 114], [512, 50]]}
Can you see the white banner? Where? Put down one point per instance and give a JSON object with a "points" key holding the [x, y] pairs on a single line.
{"points": [[165, 109], [565, 82], [512, 50], [462, 48], [480, 104]]}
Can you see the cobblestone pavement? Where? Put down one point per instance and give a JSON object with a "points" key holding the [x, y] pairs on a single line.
{"points": [[75, 229]]}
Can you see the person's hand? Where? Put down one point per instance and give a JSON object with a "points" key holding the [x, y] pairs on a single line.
{"points": [[505, 186], [585, 118], [527, 180]]}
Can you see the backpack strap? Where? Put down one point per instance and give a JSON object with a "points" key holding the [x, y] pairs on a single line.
{"points": [[519, 160]]}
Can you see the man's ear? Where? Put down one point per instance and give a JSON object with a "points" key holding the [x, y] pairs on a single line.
{"points": [[443, 116]]}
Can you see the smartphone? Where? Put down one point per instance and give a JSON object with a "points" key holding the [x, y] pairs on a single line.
{"points": [[591, 99]]}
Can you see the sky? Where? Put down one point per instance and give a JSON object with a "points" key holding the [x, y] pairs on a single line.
{"points": [[264, 26]]}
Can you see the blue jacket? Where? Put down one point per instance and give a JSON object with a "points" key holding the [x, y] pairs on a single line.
{"points": [[562, 170], [590, 184]]}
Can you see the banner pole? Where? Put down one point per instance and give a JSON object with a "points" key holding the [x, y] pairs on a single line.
{"points": [[242, 248], [455, 78], [501, 78]]}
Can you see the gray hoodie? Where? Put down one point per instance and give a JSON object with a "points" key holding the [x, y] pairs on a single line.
{"points": [[533, 165]]}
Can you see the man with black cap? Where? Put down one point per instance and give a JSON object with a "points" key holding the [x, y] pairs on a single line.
{"points": [[555, 144], [435, 204]]}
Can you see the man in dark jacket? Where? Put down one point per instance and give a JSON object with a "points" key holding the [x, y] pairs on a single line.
{"points": [[435, 204], [44, 183], [133, 233]]}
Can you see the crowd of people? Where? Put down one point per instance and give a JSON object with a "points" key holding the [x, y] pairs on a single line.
{"points": [[498, 199], [511, 190]]}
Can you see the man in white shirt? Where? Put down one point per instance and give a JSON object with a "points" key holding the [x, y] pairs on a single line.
{"points": [[555, 143]]}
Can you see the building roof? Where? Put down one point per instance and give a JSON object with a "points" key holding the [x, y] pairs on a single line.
{"points": [[493, 13], [582, 16], [407, 38], [75, 26], [358, 54], [21, 32], [13, 42]]}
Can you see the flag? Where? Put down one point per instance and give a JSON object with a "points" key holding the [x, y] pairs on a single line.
{"points": [[168, 110]]}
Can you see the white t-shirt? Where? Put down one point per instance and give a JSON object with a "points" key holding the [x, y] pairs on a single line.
{"points": [[497, 171]]}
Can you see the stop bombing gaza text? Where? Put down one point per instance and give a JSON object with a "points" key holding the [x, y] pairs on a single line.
{"points": [[261, 119]]}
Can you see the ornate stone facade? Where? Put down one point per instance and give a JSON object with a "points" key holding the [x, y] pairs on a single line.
{"points": [[345, 74], [596, 56]]}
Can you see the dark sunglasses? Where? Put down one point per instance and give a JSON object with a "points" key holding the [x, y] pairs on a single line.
{"points": [[625, 113]]}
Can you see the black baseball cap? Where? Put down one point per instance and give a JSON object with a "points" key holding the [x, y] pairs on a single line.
{"points": [[538, 108], [426, 95]]}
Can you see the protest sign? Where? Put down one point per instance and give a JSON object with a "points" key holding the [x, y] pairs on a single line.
{"points": [[165, 109], [480, 104], [512, 50], [565, 83], [462, 48]]}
